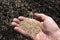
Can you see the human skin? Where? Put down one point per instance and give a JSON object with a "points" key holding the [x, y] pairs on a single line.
{"points": [[50, 30]]}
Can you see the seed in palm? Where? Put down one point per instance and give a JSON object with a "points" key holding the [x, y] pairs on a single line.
{"points": [[30, 26]]}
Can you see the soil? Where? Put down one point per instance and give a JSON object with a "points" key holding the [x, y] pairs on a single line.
{"points": [[10, 9]]}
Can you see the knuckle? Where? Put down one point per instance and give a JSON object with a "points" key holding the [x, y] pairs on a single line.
{"points": [[42, 14], [49, 17]]}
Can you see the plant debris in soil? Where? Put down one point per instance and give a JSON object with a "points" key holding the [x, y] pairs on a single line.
{"points": [[10, 9]]}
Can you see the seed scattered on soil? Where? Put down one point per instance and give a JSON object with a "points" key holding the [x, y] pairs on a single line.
{"points": [[30, 26]]}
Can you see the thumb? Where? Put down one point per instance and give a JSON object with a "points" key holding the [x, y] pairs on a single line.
{"points": [[40, 16]]}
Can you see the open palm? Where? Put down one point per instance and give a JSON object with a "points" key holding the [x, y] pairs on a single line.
{"points": [[48, 27]]}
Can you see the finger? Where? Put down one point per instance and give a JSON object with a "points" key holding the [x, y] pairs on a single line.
{"points": [[20, 31], [40, 16], [21, 18], [16, 20], [14, 24]]}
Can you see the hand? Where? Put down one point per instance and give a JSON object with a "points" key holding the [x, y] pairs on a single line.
{"points": [[48, 26]]}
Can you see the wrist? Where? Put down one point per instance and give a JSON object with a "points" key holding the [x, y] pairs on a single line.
{"points": [[56, 35]]}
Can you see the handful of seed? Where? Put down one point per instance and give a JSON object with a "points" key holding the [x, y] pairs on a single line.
{"points": [[30, 26]]}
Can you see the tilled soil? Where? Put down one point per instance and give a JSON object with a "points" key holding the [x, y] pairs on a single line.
{"points": [[10, 9]]}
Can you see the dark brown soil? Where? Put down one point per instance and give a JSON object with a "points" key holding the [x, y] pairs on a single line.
{"points": [[10, 9]]}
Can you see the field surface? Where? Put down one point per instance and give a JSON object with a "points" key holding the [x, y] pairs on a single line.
{"points": [[10, 9]]}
